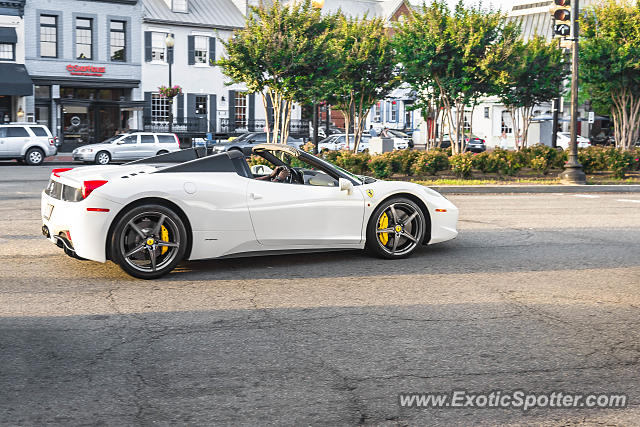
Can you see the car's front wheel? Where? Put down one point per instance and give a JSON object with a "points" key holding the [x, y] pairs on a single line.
{"points": [[103, 158], [149, 241], [396, 228]]}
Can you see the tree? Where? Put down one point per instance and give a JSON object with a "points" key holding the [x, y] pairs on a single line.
{"points": [[610, 65], [534, 75], [455, 55], [282, 52], [365, 70]]}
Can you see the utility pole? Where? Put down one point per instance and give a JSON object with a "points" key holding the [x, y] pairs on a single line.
{"points": [[573, 173]]}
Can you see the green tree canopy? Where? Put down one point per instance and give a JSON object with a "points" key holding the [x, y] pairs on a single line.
{"points": [[534, 75], [610, 64], [454, 56], [283, 52]]}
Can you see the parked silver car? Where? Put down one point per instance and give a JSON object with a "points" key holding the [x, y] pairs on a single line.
{"points": [[26, 142], [127, 147]]}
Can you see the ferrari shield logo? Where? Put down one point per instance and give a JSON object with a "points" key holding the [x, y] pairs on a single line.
{"points": [[370, 193]]}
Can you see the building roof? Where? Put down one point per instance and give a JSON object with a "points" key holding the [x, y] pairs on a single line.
{"points": [[202, 13], [358, 8]]}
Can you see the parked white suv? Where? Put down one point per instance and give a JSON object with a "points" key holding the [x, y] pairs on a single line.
{"points": [[26, 142], [127, 147]]}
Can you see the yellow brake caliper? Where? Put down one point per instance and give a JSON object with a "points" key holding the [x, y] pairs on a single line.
{"points": [[384, 223], [164, 235]]}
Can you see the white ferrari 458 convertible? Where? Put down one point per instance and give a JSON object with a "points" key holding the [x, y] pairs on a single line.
{"points": [[150, 214]]}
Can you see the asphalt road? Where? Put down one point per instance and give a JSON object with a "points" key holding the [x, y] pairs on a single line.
{"points": [[539, 293]]}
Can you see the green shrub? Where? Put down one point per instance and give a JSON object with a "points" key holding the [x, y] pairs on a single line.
{"points": [[541, 164], [595, 159], [430, 162], [512, 162], [554, 158], [461, 164], [354, 163], [380, 166], [620, 162], [487, 162]]}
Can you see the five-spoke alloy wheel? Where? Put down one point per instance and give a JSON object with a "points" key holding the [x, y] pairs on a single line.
{"points": [[149, 241], [34, 157], [396, 228]]}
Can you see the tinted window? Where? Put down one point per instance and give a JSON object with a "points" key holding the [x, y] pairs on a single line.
{"points": [[17, 132], [147, 139], [3, 132], [131, 139], [166, 139], [38, 131]]}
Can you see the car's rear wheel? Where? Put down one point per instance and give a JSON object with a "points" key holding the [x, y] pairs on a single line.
{"points": [[103, 158], [161, 152], [396, 228], [149, 241], [34, 157]]}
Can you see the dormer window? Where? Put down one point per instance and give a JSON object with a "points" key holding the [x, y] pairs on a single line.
{"points": [[180, 6]]}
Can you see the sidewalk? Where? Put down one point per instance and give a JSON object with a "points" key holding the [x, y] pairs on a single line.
{"points": [[530, 189], [60, 158]]}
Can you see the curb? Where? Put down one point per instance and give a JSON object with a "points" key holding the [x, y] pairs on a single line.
{"points": [[535, 189]]}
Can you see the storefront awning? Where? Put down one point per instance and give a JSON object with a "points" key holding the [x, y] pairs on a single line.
{"points": [[8, 35], [14, 80]]}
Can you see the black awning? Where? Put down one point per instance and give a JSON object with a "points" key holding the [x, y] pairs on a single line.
{"points": [[14, 80], [8, 35]]}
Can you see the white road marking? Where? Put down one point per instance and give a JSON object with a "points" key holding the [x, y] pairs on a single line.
{"points": [[586, 196], [629, 200]]}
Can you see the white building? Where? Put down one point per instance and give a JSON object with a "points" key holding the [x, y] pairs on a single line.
{"points": [[15, 83], [207, 104]]}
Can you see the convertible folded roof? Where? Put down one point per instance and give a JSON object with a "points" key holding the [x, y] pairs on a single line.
{"points": [[180, 156]]}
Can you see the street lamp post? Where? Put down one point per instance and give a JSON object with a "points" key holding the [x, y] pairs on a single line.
{"points": [[573, 173], [170, 42]]}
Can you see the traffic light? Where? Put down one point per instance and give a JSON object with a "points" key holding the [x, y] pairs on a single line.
{"points": [[561, 12]]}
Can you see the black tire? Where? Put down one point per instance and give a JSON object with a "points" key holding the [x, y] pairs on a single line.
{"points": [[405, 233], [102, 158], [161, 152], [137, 248], [34, 157]]}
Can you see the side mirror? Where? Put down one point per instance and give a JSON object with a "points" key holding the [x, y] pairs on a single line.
{"points": [[345, 185]]}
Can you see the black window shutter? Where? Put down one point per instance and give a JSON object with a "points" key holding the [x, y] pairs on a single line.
{"points": [[252, 112], [180, 99], [147, 46], [191, 105], [269, 113], [191, 48], [146, 110], [213, 112], [212, 51], [232, 111], [171, 52]]}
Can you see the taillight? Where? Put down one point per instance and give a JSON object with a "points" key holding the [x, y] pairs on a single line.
{"points": [[89, 186], [58, 171]]}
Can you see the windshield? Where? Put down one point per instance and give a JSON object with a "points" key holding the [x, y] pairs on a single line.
{"points": [[111, 140], [354, 177]]}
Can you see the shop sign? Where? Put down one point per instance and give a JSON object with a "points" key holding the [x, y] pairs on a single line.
{"points": [[85, 70]]}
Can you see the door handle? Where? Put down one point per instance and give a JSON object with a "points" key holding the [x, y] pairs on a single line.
{"points": [[255, 196]]}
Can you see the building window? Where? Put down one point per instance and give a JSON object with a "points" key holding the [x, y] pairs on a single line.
{"points": [[158, 48], [7, 52], [84, 38], [506, 125], [201, 105], [180, 6], [394, 111], [117, 41], [201, 49], [241, 110], [376, 112], [159, 108], [486, 112], [48, 36], [466, 125]]}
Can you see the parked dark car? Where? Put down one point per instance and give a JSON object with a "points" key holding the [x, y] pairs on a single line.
{"points": [[247, 141], [475, 144]]}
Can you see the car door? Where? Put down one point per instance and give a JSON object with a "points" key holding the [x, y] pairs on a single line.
{"points": [[147, 146], [17, 137], [126, 148], [295, 215], [3, 141]]}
